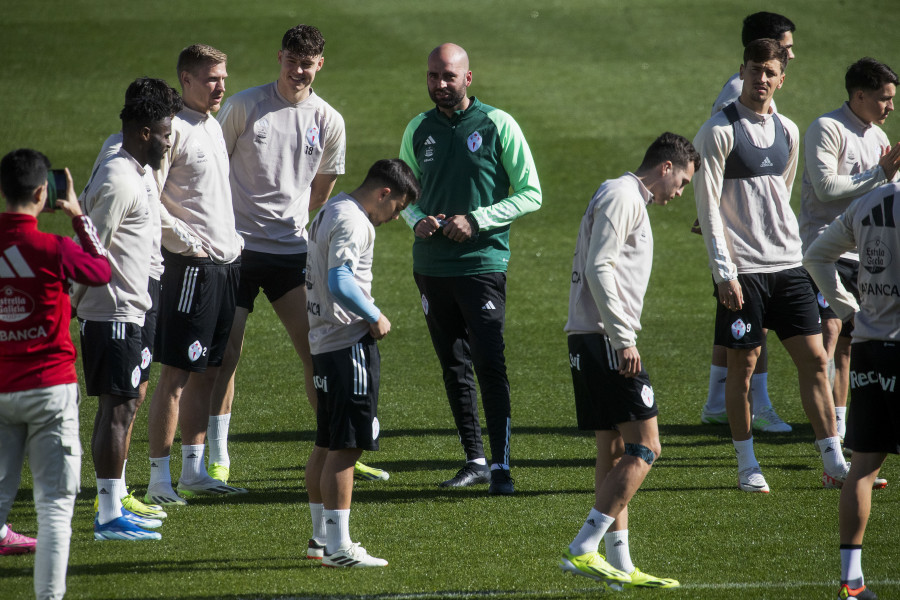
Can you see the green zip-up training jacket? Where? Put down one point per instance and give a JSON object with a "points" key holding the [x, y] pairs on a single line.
{"points": [[466, 165]]}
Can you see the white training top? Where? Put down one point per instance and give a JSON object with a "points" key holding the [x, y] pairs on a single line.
{"points": [[613, 257], [195, 190], [870, 223], [748, 225], [111, 147], [842, 153], [340, 234], [731, 91], [276, 149], [116, 201]]}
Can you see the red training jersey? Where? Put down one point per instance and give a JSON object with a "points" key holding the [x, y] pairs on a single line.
{"points": [[36, 350]]}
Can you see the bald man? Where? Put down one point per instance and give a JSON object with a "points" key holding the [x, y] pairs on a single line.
{"points": [[467, 157]]}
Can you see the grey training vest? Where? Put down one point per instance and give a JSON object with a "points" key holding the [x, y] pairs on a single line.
{"points": [[747, 160]]}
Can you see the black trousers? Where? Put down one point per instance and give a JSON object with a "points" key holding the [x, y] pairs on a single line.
{"points": [[465, 317]]}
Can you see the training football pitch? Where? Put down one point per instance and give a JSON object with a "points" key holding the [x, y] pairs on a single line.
{"points": [[592, 83]]}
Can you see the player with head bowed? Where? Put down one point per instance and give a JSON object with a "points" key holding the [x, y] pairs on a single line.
{"points": [[613, 394], [344, 326]]}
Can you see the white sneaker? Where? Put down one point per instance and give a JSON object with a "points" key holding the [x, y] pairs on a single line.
{"points": [[752, 480], [768, 420], [353, 556], [829, 482], [207, 486], [713, 418], [163, 495]]}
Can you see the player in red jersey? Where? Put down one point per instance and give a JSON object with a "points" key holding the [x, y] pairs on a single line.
{"points": [[38, 389]]}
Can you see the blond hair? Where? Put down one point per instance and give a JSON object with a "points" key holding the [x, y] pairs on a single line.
{"points": [[198, 56]]}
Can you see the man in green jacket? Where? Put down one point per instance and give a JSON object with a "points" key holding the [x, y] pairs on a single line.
{"points": [[468, 156]]}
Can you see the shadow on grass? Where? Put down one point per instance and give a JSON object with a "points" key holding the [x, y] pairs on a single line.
{"points": [[309, 435]]}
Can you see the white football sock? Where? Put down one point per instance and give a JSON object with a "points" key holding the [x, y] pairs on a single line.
{"points": [[745, 455], [317, 512], [851, 567], [217, 437], [337, 530], [715, 400], [110, 504], [759, 392], [123, 488], [159, 472], [832, 457], [617, 552], [192, 463], [840, 417], [590, 534]]}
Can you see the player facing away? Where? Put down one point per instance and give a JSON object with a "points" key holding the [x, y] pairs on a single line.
{"points": [[344, 326], [613, 394], [38, 382], [743, 188], [873, 422], [477, 176], [111, 318], [847, 154], [198, 285], [755, 27]]}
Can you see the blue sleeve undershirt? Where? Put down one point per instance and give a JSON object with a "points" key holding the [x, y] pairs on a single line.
{"points": [[349, 295]]}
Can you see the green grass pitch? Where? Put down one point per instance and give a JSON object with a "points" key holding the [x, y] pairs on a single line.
{"points": [[592, 83]]}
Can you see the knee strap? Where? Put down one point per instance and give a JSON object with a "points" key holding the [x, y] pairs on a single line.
{"points": [[640, 451]]}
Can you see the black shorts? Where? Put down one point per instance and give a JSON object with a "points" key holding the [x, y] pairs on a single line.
{"points": [[276, 274], [783, 302], [873, 421], [848, 272], [347, 391], [148, 331], [111, 356], [196, 310], [603, 397]]}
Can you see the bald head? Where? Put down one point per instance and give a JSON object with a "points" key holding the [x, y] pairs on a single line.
{"points": [[448, 78], [450, 54]]}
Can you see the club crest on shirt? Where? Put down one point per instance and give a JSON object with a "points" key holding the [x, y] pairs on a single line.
{"points": [[474, 141], [15, 305], [261, 131], [739, 329], [312, 135]]}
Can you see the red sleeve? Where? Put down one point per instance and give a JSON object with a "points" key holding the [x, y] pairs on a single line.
{"points": [[86, 264]]}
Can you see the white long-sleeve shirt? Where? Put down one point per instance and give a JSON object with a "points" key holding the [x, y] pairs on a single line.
{"points": [[116, 201], [870, 223], [842, 153], [748, 225], [193, 180], [613, 257]]}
